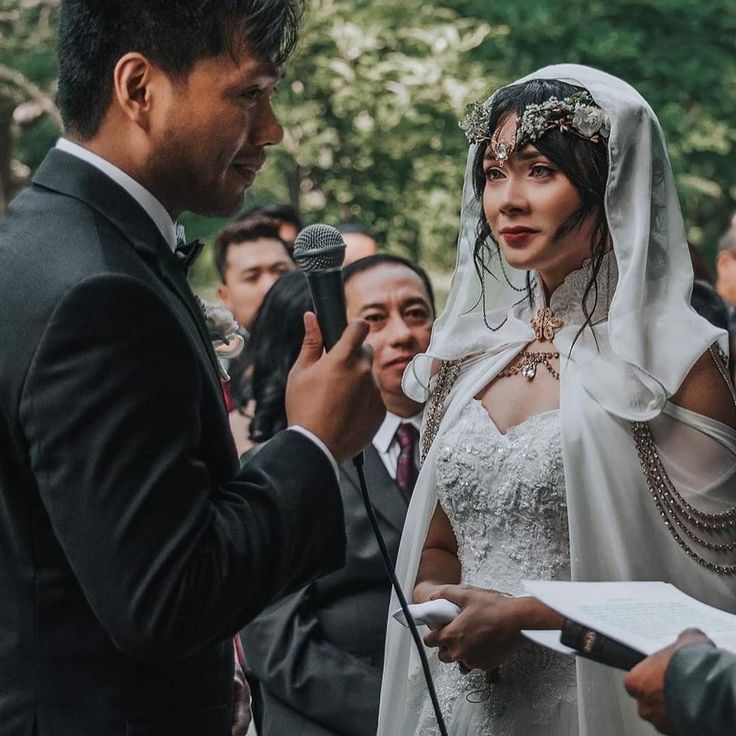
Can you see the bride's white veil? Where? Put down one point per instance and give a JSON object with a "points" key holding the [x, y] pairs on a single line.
{"points": [[651, 309]]}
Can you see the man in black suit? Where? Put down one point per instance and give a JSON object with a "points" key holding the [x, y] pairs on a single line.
{"points": [[131, 549], [314, 659]]}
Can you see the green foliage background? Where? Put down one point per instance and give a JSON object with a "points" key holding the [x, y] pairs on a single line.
{"points": [[371, 101]]}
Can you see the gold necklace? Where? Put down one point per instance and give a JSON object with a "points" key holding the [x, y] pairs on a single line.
{"points": [[528, 365], [545, 324]]}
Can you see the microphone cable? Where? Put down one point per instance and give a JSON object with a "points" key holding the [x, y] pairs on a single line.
{"points": [[359, 461]]}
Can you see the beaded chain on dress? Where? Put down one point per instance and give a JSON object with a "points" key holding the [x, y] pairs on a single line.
{"points": [[505, 498]]}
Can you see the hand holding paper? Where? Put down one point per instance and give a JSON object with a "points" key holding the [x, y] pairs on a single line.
{"points": [[646, 681], [645, 616]]}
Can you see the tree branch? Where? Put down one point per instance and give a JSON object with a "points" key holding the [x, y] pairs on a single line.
{"points": [[33, 92]]}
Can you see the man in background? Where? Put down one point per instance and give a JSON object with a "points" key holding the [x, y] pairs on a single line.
{"points": [[290, 224], [726, 266], [315, 658], [359, 242], [250, 255]]}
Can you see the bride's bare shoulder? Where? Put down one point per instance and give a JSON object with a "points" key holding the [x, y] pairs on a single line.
{"points": [[705, 391]]}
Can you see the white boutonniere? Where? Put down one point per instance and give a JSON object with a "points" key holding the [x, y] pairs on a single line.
{"points": [[224, 332]]}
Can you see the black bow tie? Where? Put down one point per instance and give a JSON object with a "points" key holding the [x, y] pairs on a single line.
{"points": [[187, 253]]}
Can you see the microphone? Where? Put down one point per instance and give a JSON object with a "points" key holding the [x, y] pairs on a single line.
{"points": [[319, 251]]}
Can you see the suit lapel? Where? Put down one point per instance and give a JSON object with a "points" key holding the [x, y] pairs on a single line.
{"points": [[67, 174], [175, 279], [388, 501]]}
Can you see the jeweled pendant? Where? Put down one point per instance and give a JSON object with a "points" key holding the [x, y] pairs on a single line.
{"points": [[529, 370], [502, 149], [545, 324]]}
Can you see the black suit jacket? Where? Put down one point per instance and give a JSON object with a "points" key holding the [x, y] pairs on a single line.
{"points": [[314, 659], [131, 548]]}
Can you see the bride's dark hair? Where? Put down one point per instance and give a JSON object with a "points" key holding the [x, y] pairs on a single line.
{"points": [[585, 164]]}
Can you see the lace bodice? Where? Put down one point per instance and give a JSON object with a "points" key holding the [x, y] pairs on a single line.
{"points": [[505, 498]]}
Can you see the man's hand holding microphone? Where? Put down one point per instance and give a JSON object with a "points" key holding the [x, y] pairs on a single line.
{"points": [[333, 395]]}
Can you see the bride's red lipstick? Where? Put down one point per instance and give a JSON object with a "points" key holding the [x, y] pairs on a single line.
{"points": [[517, 235]]}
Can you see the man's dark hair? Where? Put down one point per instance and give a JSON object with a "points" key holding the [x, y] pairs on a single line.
{"points": [[355, 228], [706, 302], [701, 272], [173, 34], [382, 259], [254, 228], [280, 212]]}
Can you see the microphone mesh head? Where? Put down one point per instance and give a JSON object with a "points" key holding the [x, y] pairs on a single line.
{"points": [[318, 248]]}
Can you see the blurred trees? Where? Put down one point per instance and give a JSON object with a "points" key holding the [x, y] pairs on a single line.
{"points": [[679, 54], [370, 106], [29, 120], [371, 101]]}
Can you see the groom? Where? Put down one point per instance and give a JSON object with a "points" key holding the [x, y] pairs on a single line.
{"points": [[131, 550]]}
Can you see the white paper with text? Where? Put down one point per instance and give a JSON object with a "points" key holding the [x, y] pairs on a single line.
{"points": [[646, 616]]}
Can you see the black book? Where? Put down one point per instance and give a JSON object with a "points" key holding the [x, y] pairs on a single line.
{"points": [[593, 645]]}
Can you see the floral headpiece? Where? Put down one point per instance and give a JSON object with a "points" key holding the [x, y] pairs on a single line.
{"points": [[576, 114]]}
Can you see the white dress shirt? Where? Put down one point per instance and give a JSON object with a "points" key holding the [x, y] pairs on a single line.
{"points": [[166, 225], [386, 444], [155, 210]]}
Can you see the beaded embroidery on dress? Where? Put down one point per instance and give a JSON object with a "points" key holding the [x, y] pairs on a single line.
{"points": [[505, 498]]}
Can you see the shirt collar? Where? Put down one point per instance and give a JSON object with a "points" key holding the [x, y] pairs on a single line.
{"points": [[385, 436], [155, 210]]}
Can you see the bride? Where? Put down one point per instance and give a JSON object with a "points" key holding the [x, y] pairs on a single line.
{"points": [[580, 422]]}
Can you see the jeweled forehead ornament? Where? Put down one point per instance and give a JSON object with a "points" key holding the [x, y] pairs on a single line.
{"points": [[577, 114], [502, 149]]}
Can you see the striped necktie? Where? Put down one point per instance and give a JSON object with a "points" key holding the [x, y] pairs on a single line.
{"points": [[406, 467]]}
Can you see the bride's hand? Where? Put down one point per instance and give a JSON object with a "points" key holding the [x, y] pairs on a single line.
{"points": [[488, 630]]}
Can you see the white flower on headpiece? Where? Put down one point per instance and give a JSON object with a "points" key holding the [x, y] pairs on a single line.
{"points": [[589, 120]]}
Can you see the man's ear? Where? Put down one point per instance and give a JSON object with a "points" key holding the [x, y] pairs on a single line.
{"points": [[224, 293], [133, 80]]}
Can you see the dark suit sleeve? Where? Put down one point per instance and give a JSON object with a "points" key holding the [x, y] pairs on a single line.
{"points": [[112, 413], [285, 651], [700, 691]]}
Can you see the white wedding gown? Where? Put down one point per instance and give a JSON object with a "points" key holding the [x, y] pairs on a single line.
{"points": [[505, 498]]}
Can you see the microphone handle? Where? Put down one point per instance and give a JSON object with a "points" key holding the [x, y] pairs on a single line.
{"points": [[328, 295]]}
